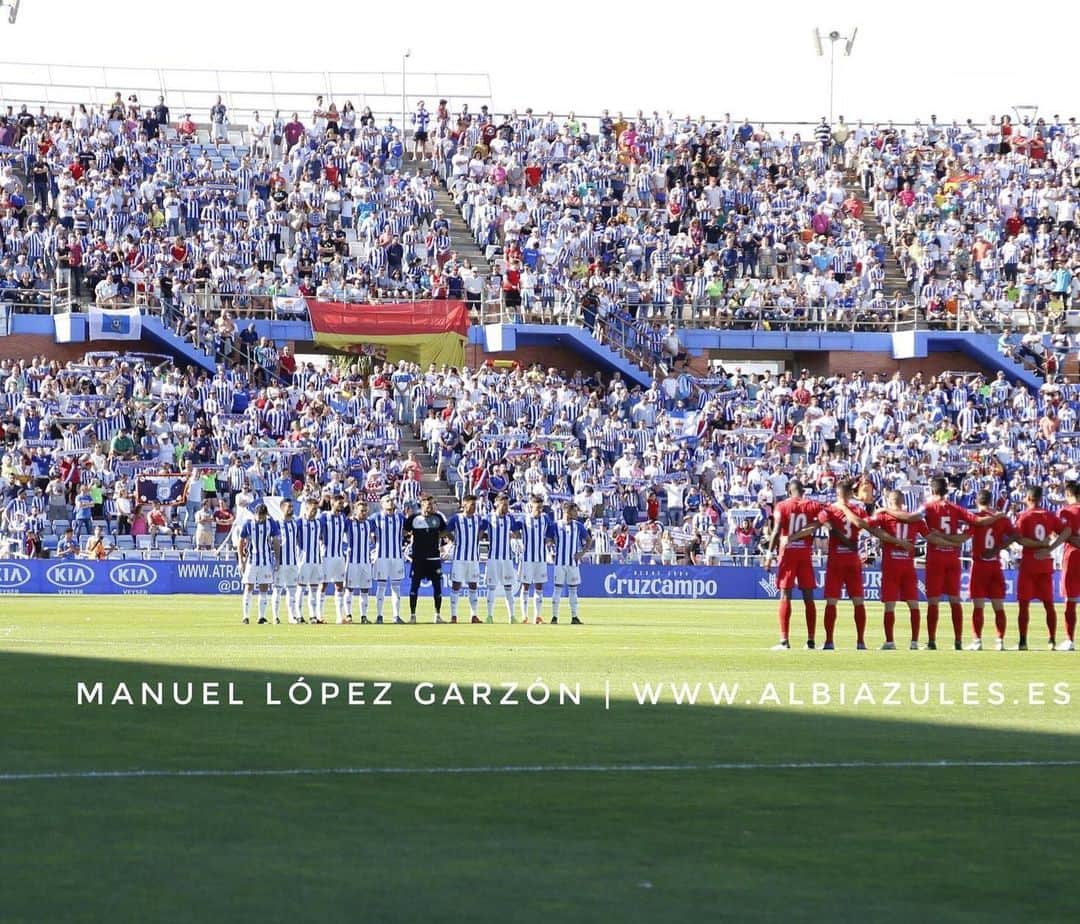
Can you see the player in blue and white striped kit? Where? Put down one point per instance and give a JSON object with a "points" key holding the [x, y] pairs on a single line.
{"points": [[309, 536], [501, 527], [259, 543], [466, 527], [535, 529], [360, 542], [572, 541], [287, 576], [389, 568], [334, 525]]}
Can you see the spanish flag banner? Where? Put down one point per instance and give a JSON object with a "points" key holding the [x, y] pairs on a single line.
{"points": [[420, 332]]}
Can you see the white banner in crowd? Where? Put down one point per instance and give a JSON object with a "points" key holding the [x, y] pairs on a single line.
{"points": [[114, 324], [284, 304]]}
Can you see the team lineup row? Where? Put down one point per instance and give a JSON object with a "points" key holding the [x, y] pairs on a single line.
{"points": [[354, 552], [945, 527]]}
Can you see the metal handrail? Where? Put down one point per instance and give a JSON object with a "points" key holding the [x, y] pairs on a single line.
{"points": [[95, 84]]}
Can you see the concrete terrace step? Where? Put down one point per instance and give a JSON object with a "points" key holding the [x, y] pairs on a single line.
{"points": [[895, 281], [460, 237]]}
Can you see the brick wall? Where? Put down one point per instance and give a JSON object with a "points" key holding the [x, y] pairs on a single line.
{"points": [[847, 362], [26, 346], [558, 356]]}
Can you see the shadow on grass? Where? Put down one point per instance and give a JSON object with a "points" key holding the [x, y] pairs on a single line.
{"points": [[747, 844]]}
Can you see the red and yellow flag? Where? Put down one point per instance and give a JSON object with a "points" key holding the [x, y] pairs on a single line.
{"points": [[421, 332]]}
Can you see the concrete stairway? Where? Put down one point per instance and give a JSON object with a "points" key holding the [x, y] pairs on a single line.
{"points": [[445, 501], [460, 236], [895, 283]]}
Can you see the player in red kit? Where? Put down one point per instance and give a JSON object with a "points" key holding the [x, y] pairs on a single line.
{"points": [[945, 522], [1034, 527], [898, 578], [794, 524], [987, 578], [1070, 564], [844, 570]]}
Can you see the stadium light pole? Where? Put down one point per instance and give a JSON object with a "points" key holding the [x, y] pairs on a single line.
{"points": [[834, 37], [404, 58]]}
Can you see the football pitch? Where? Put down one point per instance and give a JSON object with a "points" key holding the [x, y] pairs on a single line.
{"points": [[524, 773]]}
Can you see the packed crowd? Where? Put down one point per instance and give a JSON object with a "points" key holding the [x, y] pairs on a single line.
{"points": [[128, 203], [981, 217], [685, 470], [668, 218]]}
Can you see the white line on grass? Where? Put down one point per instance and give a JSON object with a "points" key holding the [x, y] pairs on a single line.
{"points": [[533, 768]]}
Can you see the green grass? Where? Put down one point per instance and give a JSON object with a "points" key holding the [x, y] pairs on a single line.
{"points": [[742, 843]]}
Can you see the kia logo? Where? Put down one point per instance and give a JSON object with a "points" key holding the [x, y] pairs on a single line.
{"points": [[69, 576], [132, 577], [13, 575]]}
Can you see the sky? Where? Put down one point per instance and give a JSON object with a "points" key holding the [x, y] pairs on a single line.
{"points": [[752, 60]]}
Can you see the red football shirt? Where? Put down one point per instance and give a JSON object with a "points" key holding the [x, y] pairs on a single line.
{"points": [[898, 530], [946, 518], [1070, 516], [793, 515], [1037, 524], [832, 516], [988, 538]]}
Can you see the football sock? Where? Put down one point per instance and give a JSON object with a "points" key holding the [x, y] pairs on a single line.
{"points": [[1000, 623], [436, 593], [1051, 620], [275, 601], [860, 622], [348, 602], [337, 604], [915, 621], [538, 599], [380, 596], [573, 602], [395, 602], [890, 625], [785, 617], [830, 622], [811, 618], [509, 595], [1023, 618], [412, 602], [474, 601], [931, 622], [977, 621], [556, 599], [1070, 620], [246, 603], [453, 603], [364, 603], [956, 610], [262, 605]]}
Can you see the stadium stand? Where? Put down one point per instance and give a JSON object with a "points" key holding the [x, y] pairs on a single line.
{"points": [[632, 232]]}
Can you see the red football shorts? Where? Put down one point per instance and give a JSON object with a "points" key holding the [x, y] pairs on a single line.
{"points": [[899, 584], [795, 571], [942, 578], [843, 573], [1035, 587], [1070, 578], [987, 581]]}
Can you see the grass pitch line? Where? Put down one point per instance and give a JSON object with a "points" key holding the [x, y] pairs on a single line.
{"points": [[533, 768]]}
